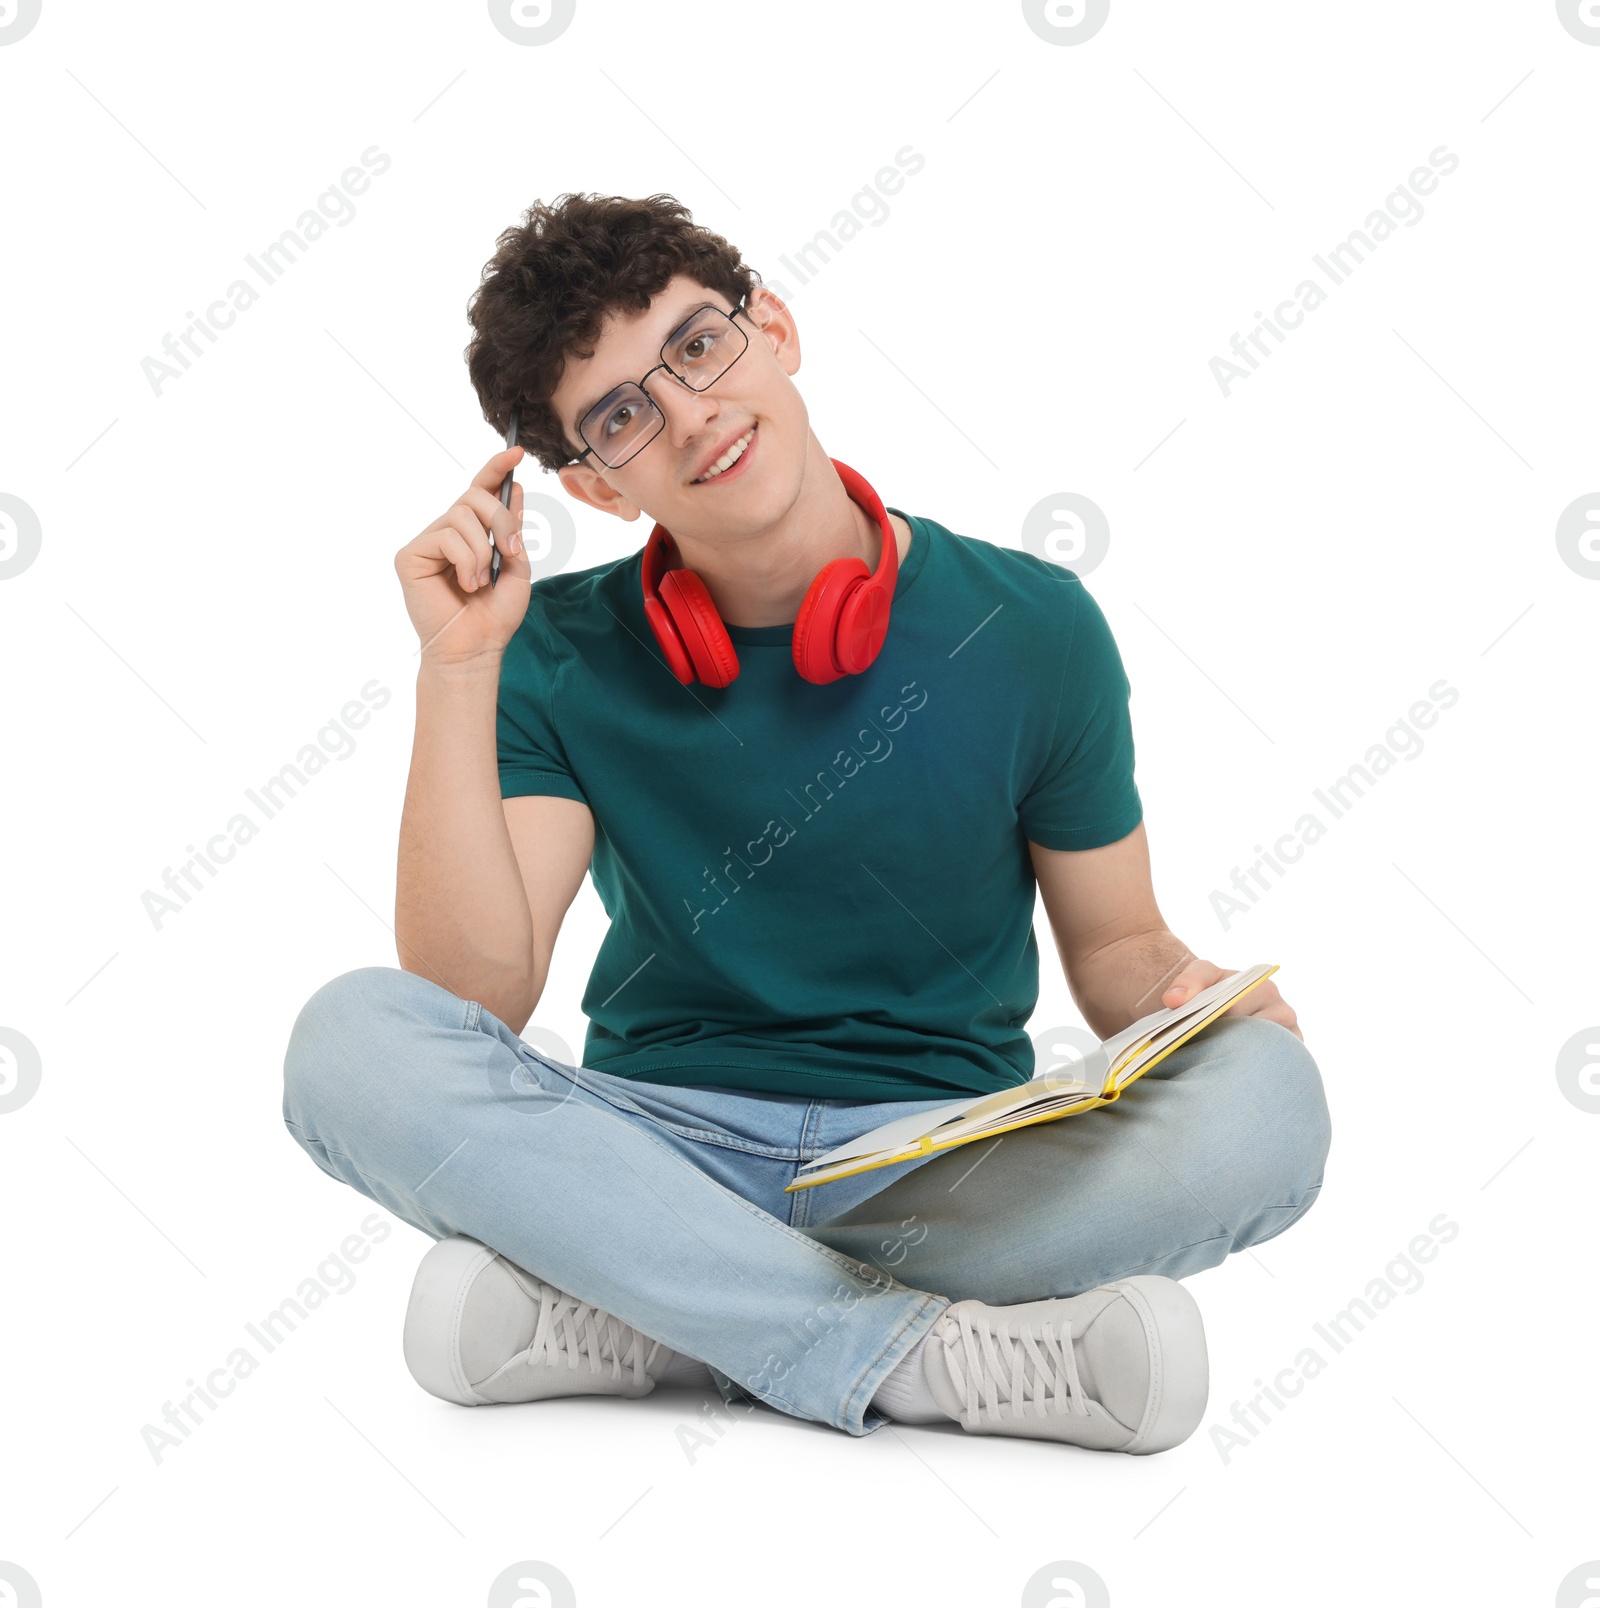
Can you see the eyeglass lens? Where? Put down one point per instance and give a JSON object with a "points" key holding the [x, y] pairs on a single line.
{"points": [[699, 352]]}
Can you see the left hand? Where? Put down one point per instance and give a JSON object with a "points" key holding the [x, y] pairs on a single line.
{"points": [[1262, 1000]]}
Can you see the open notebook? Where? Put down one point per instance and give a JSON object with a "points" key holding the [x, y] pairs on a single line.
{"points": [[1096, 1080]]}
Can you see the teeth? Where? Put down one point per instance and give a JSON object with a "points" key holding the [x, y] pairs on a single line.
{"points": [[729, 458]]}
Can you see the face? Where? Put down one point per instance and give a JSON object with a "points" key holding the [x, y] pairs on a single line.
{"points": [[748, 496]]}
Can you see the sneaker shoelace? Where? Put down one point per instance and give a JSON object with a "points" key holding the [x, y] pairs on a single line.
{"points": [[570, 1331], [1020, 1365]]}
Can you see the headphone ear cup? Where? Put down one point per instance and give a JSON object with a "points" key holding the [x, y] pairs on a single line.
{"points": [[863, 625], [816, 639], [667, 637], [699, 627]]}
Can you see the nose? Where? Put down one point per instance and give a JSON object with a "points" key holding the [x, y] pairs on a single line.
{"points": [[687, 411]]}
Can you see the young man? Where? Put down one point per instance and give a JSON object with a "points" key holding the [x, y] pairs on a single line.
{"points": [[816, 789]]}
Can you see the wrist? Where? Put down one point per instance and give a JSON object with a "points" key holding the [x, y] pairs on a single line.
{"points": [[1124, 980], [473, 670]]}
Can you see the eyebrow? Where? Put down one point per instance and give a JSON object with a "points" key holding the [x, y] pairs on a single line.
{"points": [[679, 318]]}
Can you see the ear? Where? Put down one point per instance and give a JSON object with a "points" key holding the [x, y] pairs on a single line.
{"points": [[587, 486], [777, 324], [764, 300]]}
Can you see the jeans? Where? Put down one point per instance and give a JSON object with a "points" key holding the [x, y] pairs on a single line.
{"points": [[666, 1207]]}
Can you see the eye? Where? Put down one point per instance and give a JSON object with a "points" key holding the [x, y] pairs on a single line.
{"points": [[699, 343], [620, 418]]}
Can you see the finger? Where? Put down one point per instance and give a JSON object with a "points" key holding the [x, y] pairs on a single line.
{"points": [[515, 541], [421, 555], [1251, 1006], [465, 522], [514, 563], [1281, 1013], [459, 517], [488, 478], [455, 547], [1182, 988], [504, 522]]}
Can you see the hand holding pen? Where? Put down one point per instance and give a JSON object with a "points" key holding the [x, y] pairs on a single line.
{"points": [[448, 572]]}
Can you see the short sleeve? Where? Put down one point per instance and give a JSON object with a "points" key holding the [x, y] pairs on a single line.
{"points": [[532, 758], [1084, 796]]}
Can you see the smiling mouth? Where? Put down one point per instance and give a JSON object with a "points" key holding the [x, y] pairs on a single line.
{"points": [[729, 460]]}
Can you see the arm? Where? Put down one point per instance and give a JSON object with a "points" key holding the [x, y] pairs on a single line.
{"points": [[553, 838], [1121, 961], [462, 916], [481, 885]]}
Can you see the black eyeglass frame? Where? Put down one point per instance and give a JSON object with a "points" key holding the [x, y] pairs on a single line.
{"points": [[589, 451]]}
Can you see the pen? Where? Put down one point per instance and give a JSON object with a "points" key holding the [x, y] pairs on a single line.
{"points": [[513, 430]]}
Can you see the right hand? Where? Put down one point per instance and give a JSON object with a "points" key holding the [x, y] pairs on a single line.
{"points": [[444, 572]]}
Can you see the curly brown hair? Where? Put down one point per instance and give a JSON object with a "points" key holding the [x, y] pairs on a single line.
{"points": [[555, 277]]}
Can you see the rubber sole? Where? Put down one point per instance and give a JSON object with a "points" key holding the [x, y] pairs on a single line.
{"points": [[1180, 1367], [433, 1318]]}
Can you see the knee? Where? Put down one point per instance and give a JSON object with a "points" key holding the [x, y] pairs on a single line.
{"points": [[1279, 1104], [346, 1030]]}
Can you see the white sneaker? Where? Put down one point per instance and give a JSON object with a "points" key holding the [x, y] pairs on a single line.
{"points": [[1121, 1368], [480, 1329]]}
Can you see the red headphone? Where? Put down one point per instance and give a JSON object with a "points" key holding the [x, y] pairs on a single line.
{"points": [[838, 632]]}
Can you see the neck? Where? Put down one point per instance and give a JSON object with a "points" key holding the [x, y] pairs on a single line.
{"points": [[761, 578]]}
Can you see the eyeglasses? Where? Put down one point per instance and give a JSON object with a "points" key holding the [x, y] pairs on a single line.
{"points": [[697, 354]]}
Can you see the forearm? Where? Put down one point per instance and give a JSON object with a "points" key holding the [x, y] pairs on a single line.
{"points": [[1124, 980], [461, 912]]}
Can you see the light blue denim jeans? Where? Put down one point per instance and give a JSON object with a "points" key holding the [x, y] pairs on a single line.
{"points": [[666, 1205]]}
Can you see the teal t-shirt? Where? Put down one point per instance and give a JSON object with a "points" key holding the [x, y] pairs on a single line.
{"points": [[826, 890]]}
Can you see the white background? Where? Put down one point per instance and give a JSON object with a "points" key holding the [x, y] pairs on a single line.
{"points": [[1290, 568]]}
